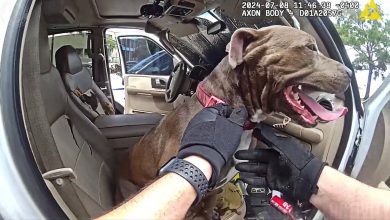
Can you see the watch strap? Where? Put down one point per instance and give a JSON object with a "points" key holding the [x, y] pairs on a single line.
{"points": [[189, 172]]}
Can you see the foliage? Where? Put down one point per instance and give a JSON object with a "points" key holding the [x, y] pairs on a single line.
{"points": [[371, 41], [110, 43]]}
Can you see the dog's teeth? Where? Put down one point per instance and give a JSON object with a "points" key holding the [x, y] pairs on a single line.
{"points": [[296, 97], [300, 87]]}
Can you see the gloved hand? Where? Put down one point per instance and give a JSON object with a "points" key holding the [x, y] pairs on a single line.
{"points": [[214, 134], [287, 166]]}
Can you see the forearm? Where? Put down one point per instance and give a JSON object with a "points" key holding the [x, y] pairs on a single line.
{"points": [[167, 198], [342, 197]]}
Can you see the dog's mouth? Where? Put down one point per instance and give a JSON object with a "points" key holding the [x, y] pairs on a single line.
{"points": [[310, 110]]}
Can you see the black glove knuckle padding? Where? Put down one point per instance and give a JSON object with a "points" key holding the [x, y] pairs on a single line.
{"points": [[257, 168], [252, 179], [291, 168], [239, 116], [212, 135]]}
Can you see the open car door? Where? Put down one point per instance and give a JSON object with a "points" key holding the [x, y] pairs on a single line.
{"points": [[146, 68], [372, 162]]}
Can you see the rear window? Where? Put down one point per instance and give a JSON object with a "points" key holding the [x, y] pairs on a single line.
{"points": [[78, 40]]}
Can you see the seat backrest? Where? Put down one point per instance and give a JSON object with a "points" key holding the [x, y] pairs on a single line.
{"points": [[78, 142], [80, 85]]}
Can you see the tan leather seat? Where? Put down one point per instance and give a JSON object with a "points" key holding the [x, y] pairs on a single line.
{"points": [[80, 85]]}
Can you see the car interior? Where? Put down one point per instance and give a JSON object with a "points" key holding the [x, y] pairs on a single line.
{"points": [[75, 138], [79, 83]]}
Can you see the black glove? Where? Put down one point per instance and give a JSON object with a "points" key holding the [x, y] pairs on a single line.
{"points": [[288, 166], [214, 134]]}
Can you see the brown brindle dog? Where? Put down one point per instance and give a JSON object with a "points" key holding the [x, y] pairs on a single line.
{"points": [[267, 70]]}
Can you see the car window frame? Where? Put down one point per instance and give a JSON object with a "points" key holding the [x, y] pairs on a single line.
{"points": [[151, 62], [145, 62], [148, 38]]}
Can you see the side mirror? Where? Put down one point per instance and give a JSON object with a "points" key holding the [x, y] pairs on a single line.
{"points": [[216, 27]]}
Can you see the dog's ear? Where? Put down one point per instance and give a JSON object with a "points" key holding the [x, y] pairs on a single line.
{"points": [[238, 43]]}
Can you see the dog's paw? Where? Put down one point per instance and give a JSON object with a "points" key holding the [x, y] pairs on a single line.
{"points": [[258, 116]]}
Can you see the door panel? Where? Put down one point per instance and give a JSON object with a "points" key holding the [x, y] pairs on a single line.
{"points": [[146, 73], [376, 166], [146, 94], [372, 164]]}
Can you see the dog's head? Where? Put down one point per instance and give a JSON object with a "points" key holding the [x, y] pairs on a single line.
{"points": [[281, 67]]}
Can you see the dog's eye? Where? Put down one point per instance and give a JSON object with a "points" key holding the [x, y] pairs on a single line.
{"points": [[312, 47]]}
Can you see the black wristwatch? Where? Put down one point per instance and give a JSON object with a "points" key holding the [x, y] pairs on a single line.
{"points": [[189, 172]]}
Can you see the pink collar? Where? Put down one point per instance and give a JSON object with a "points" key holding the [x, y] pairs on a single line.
{"points": [[207, 100]]}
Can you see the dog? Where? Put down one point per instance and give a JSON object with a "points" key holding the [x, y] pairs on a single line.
{"points": [[266, 70]]}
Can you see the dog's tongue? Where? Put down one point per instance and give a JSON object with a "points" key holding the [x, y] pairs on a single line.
{"points": [[319, 110]]}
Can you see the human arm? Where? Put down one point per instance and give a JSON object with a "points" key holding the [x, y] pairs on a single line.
{"points": [[209, 141], [169, 197], [342, 197], [289, 167]]}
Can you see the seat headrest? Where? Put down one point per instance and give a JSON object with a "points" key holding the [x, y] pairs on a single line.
{"points": [[68, 61]]}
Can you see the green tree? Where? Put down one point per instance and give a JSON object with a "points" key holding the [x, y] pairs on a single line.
{"points": [[371, 41], [110, 42]]}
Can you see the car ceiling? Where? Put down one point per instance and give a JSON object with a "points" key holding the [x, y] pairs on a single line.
{"points": [[76, 14], [118, 8], [65, 14]]}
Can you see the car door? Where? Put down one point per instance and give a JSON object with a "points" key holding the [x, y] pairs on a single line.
{"points": [[372, 161], [146, 69]]}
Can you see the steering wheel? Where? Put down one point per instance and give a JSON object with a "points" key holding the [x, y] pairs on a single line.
{"points": [[175, 82]]}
